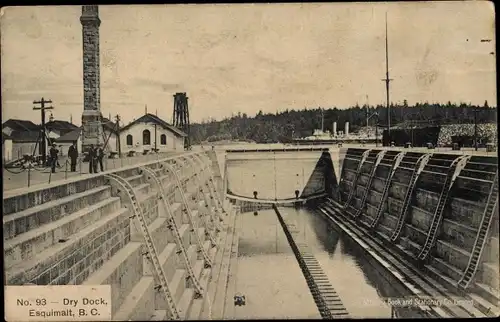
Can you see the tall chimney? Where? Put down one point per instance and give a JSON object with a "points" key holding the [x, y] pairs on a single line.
{"points": [[334, 129], [91, 116], [346, 128]]}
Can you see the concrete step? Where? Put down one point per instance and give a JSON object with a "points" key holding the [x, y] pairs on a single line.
{"points": [[159, 315], [485, 306], [185, 303], [167, 260], [489, 274], [197, 305], [127, 172], [163, 178], [198, 268], [447, 269], [135, 180], [192, 252], [58, 264], [478, 174], [492, 294], [123, 271], [201, 230], [139, 304], [157, 229], [142, 190], [365, 220], [177, 287], [34, 217], [185, 218], [25, 246], [145, 303], [183, 232], [409, 246], [175, 209], [384, 230], [414, 233], [458, 252]]}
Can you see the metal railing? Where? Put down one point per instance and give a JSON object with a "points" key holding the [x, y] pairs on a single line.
{"points": [[355, 181], [419, 166], [376, 162], [30, 173], [438, 214], [482, 233], [385, 192]]}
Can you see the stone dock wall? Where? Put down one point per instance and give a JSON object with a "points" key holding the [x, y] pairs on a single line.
{"points": [[80, 231], [460, 220]]}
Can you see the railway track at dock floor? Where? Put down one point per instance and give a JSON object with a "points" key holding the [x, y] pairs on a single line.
{"points": [[327, 300]]}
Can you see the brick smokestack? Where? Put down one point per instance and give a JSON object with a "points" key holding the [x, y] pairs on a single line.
{"points": [[91, 118]]}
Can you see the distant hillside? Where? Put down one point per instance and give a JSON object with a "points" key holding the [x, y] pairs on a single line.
{"points": [[281, 127]]}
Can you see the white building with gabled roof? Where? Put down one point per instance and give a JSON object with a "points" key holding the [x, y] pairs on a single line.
{"points": [[150, 132]]}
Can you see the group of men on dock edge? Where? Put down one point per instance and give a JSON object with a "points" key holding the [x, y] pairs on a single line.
{"points": [[95, 157]]}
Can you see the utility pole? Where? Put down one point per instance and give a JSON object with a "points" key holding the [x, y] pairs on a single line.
{"points": [[155, 140], [475, 128], [117, 119], [387, 80], [367, 111], [42, 108], [322, 120]]}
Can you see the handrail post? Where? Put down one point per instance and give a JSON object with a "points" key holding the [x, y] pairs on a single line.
{"points": [[29, 173]]}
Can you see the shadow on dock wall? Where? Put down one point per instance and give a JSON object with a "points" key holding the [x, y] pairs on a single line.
{"points": [[441, 215], [322, 179]]}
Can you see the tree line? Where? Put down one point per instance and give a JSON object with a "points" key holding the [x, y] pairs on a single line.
{"points": [[283, 126]]}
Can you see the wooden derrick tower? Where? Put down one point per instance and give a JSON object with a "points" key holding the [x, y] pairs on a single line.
{"points": [[180, 118]]}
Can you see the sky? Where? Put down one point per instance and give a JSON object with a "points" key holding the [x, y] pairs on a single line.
{"points": [[248, 57]]}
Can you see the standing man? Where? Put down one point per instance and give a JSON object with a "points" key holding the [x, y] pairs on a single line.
{"points": [[73, 156], [94, 164], [53, 157], [92, 156], [100, 157]]}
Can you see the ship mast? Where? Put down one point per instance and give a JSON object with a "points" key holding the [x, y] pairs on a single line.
{"points": [[387, 80], [322, 120]]}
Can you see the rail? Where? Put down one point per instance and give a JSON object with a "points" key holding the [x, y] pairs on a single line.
{"points": [[482, 233], [219, 210], [277, 150], [172, 226], [212, 183], [379, 157], [187, 210], [419, 166], [207, 203], [385, 192], [355, 181], [455, 167], [152, 253], [218, 204], [31, 173]]}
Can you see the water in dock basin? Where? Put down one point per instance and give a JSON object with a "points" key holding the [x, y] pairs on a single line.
{"points": [[270, 278]]}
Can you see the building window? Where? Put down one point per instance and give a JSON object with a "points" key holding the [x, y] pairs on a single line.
{"points": [[163, 139], [130, 140], [146, 137]]}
